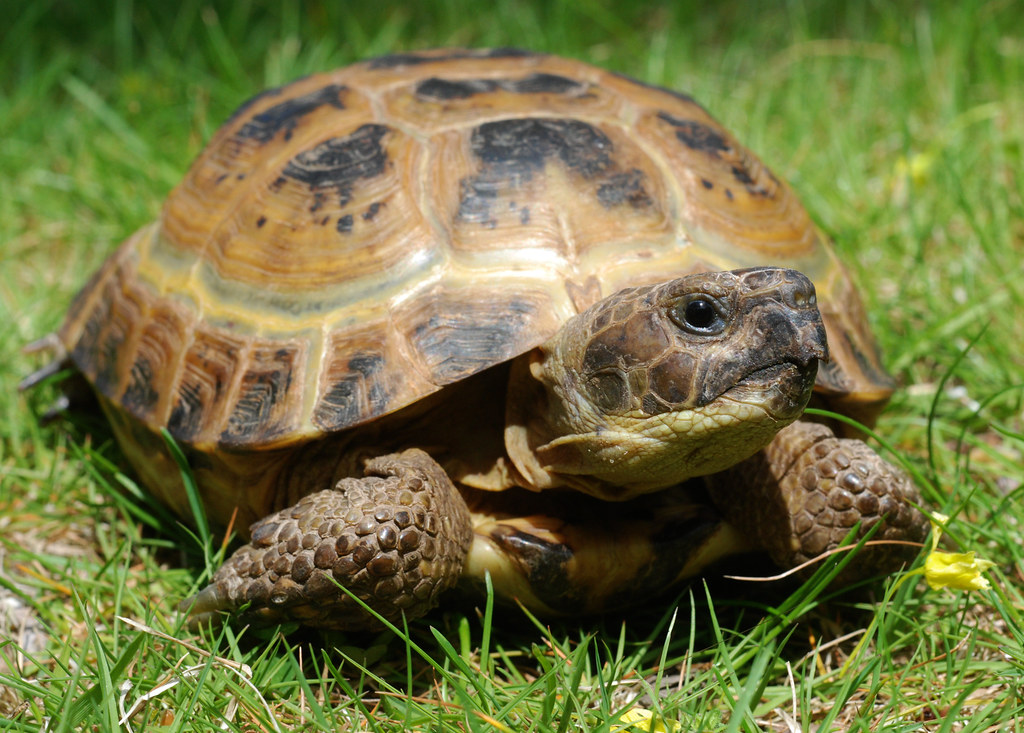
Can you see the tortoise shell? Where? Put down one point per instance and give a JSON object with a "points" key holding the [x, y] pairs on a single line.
{"points": [[356, 240]]}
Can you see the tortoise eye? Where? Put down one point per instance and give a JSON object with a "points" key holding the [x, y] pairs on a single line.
{"points": [[698, 315]]}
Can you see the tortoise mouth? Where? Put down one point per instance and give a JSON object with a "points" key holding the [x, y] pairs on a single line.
{"points": [[782, 389]]}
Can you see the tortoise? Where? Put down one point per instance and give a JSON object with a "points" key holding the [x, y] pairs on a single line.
{"points": [[456, 312]]}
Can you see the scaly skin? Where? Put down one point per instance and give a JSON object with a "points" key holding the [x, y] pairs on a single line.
{"points": [[803, 494], [396, 539], [629, 398]]}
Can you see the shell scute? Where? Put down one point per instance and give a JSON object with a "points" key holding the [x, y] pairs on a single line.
{"points": [[339, 162], [163, 333], [356, 391], [266, 405], [209, 369], [457, 95], [459, 334], [556, 192]]}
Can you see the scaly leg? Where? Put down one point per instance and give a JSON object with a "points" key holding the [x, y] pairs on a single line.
{"points": [[802, 495], [396, 539]]}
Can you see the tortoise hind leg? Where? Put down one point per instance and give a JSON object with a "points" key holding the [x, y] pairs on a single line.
{"points": [[802, 495], [396, 539]]}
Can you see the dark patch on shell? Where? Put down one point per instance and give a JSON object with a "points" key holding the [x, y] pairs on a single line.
{"points": [[476, 195], [742, 176], [358, 393], [106, 378], [140, 397], [259, 394], [107, 330], [340, 162], [623, 188], [209, 365], [835, 374], [260, 222], [743, 167], [394, 60], [286, 115], [545, 84], [249, 103], [439, 90], [513, 151], [84, 354], [264, 387], [185, 420], [436, 89], [696, 135], [518, 148], [345, 224], [373, 210], [459, 340]]}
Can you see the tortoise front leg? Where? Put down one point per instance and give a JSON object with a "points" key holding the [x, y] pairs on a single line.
{"points": [[396, 539], [801, 496]]}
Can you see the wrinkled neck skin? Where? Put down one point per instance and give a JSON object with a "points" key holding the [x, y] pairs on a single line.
{"points": [[623, 401], [570, 443]]}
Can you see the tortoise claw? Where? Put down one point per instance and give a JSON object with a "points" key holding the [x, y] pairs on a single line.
{"points": [[75, 393], [61, 361], [394, 541]]}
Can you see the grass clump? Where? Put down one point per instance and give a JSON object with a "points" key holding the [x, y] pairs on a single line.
{"points": [[899, 129]]}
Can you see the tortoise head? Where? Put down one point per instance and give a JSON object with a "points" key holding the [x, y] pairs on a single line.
{"points": [[654, 385]]}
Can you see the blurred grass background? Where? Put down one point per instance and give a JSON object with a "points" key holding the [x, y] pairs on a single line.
{"points": [[898, 123]]}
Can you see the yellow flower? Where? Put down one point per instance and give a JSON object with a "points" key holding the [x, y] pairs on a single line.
{"points": [[917, 167], [640, 720], [957, 570]]}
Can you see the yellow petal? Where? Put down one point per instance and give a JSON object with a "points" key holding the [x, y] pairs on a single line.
{"points": [[938, 522], [917, 167], [641, 720], [957, 570]]}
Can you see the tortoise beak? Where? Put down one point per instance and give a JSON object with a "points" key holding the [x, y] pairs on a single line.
{"points": [[813, 343], [783, 338], [795, 294]]}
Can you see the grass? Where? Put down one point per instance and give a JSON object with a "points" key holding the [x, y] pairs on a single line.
{"points": [[899, 126]]}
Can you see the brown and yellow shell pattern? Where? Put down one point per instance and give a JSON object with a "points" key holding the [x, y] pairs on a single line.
{"points": [[354, 241]]}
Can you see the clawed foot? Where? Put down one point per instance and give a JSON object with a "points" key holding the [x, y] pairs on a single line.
{"points": [[395, 539], [801, 496]]}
